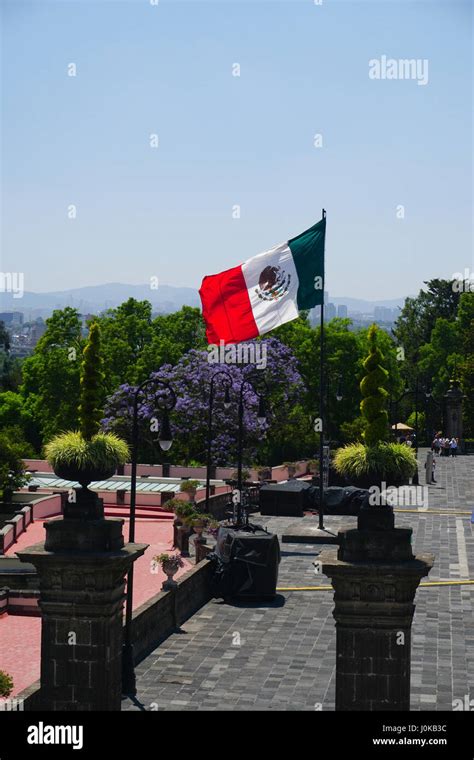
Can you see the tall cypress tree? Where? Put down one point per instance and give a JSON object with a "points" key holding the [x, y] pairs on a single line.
{"points": [[372, 386], [92, 386]]}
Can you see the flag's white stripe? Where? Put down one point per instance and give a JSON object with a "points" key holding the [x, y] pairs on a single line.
{"points": [[276, 311]]}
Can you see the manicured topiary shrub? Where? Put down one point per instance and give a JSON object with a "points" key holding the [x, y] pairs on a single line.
{"points": [[375, 461], [373, 404], [92, 386]]}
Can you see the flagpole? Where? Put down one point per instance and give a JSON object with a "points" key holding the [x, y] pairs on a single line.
{"points": [[322, 413]]}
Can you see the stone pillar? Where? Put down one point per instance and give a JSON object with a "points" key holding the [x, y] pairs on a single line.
{"points": [[453, 399], [82, 567], [375, 576]]}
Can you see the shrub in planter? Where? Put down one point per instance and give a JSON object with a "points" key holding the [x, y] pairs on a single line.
{"points": [[170, 564], [6, 684], [245, 475], [183, 510], [199, 523], [172, 504], [213, 527], [365, 466], [169, 561], [264, 473], [291, 467], [72, 457], [198, 520], [189, 487], [87, 454]]}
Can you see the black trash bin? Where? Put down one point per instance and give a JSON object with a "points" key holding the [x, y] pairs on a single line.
{"points": [[246, 564], [288, 499]]}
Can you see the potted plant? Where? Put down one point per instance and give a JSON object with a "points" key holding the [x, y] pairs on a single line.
{"points": [[6, 684], [171, 505], [264, 473], [87, 454], [245, 475], [183, 510], [213, 527], [199, 522], [170, 564], [189, 487], [291, 467]]}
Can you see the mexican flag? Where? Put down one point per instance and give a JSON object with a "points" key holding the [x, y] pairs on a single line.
{"points": [[267, 290]]}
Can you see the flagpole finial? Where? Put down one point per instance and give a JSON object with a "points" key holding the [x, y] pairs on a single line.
{"points": [[324, 213]]}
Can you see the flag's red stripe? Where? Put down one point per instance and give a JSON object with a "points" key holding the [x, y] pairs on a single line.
{"points": [[226, 307]]}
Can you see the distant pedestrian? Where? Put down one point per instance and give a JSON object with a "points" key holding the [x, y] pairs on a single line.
{"points": [[453, 445]]}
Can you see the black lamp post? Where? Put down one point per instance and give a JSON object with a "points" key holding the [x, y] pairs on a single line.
{"points": [[163, 403], [247, 385], [226, 379]]}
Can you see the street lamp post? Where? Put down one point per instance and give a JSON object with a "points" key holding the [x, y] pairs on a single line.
{"points": [[226, 379], [246, 386], [165, 441]]}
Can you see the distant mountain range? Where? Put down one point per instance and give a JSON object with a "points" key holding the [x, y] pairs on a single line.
{"points": [[95, 298], [167, 298]]}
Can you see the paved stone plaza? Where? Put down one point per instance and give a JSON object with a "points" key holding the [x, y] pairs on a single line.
{"points": [[281, 655]]}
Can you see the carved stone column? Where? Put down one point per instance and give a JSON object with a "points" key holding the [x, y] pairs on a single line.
{"points": [[453, 400], [82, 567], [375, 576]]}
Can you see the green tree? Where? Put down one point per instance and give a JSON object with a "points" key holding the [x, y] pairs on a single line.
{"points": [[374, 393], [50, 386], [466, 363], [126, 331], [418, 318], [91, 386], [173, 336], [4, 338], [438, 358], [12, 467], [14, 413]]}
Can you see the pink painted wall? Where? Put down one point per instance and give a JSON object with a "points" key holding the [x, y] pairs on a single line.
{"points": [[38, 464], [47, 507], [279, 473], [8, 533]]}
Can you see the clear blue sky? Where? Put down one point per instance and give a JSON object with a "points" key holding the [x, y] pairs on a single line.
{"points": [[225, 140]]}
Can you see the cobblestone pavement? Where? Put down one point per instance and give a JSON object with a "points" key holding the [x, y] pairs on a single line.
{"points": [[281, 655]]}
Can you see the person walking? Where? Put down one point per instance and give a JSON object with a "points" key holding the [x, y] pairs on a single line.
{"points": [[453, 445]]}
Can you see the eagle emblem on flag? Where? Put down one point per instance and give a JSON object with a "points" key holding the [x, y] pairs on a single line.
{"points": [[273, 283]]}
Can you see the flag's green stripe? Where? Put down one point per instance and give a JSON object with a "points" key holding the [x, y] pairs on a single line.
{"points": [[308, 255]]}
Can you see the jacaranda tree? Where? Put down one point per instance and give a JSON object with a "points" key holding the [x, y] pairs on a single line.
{"points": [[190, 379]]}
